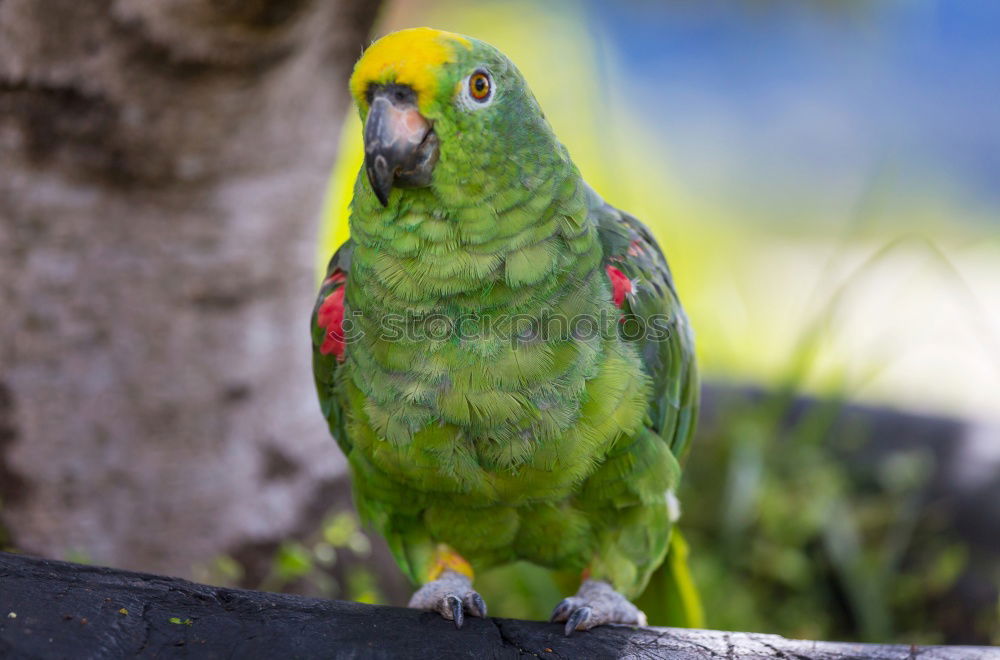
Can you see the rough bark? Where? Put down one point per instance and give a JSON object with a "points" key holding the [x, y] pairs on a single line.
{"points": [[53, 609], [161, 169]]}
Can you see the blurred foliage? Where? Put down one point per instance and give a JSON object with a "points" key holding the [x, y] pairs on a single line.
{"points": [[310, 566], [791, 537], [787, 538]]}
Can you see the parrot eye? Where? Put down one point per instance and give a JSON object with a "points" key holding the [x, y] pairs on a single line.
{"points": [[480, 86]]}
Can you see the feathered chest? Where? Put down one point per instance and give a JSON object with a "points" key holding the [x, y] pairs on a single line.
{"points": [[498, 373], [464, 404]]}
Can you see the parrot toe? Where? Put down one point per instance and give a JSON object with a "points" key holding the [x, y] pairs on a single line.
{"points": [[451, 595], [595, 604]]}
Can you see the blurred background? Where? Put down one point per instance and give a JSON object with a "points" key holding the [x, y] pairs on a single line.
{"points": [[824, 177]]}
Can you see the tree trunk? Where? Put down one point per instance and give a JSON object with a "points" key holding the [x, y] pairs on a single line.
{"points": [[161, 170]]}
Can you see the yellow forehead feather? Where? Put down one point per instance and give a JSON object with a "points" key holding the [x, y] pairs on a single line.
{"points": [[409, 57]]}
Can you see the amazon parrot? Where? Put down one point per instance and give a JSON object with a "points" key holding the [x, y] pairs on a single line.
{"points": [[500, 354]]}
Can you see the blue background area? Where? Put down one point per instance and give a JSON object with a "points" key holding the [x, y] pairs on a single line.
{"points": [[782, 96]]}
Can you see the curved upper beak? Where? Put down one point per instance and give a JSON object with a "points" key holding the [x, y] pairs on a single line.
{"points": [[401, 147]]}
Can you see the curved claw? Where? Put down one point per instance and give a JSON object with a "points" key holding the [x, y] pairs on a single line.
{"points": [[476, 604], [575, 619], [451, 595], [595, 604], [561, 610], [454, 604]]}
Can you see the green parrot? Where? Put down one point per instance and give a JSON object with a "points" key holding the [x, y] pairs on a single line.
{"points": [[500, 354]]}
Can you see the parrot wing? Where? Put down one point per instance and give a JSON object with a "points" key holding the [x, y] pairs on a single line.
{"points": [[654, 320], [329, 345]]}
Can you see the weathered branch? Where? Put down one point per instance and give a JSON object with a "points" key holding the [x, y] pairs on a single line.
{"points": [[56, 609]]}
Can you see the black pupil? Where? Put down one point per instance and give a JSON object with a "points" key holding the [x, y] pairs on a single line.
{"points": [[480, 84]]}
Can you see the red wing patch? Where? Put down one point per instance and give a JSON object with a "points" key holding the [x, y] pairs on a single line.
{"points": [[621, 286], [330, 317]]}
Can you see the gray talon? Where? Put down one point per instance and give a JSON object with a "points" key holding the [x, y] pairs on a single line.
{"points": [[596, 603], [476, 604], [457, 613], [451, 596], [560, 611], [576, 618]]}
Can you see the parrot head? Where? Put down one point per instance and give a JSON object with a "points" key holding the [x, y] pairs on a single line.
{"points": [[442, 108]]}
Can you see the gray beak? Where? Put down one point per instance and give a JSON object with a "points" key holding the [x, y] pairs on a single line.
{"points": [[401, 147]]}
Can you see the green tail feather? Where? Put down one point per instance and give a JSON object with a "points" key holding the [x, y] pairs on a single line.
{"points": [[671, 598]]}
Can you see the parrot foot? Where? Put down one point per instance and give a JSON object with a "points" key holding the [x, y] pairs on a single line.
{"points": [[595, 604], [451, 595]]}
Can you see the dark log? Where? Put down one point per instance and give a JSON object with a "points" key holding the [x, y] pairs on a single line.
{"points": [[51, 609]]}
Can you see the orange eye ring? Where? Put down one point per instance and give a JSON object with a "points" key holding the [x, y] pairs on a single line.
{"points": [[479, 86]]}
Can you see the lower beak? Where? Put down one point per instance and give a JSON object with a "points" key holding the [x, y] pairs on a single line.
{"points": [[401, 147]]}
